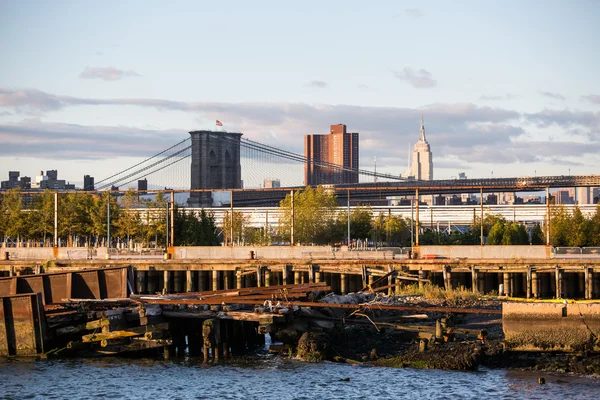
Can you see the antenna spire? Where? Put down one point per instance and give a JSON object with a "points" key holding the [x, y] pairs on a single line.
{"points": [[422, 138]]}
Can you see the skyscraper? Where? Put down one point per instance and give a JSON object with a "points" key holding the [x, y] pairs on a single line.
{"points": [[338, 147], [422, 162]]}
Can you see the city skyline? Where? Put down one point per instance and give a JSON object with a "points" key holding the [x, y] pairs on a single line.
{"points": [[506, 89]]}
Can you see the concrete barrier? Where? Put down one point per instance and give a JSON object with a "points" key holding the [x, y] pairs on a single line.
{"points": [[485, 251], [29, 253], [275, 253], [551, 326]]}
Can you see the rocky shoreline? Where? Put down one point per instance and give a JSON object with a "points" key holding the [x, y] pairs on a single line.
{"points": [[394, 339]]}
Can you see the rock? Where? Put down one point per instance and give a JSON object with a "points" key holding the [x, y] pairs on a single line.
{"points": [[313, 347]]}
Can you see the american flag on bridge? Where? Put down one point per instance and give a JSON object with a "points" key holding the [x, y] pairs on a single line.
{"points": [[219, 123]]}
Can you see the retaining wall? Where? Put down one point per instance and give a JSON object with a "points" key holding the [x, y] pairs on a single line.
{"points": [[485, 251]]}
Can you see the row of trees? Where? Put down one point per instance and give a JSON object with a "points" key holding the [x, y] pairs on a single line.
{"points": [[82, 220]]}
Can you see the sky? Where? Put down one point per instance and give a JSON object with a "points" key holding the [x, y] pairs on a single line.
{"points": [[506, 88]]}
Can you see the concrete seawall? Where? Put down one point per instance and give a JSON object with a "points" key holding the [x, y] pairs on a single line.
{"points": [[551, 326]]}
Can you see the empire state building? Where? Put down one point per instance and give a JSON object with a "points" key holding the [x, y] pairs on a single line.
{"points": [[422, 162]]}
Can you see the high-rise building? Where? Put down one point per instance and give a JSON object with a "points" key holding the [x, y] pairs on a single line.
{"points": [[88, 182], [332, 158], [583, 195], [142, 184], [271, 183], [422, 162]]}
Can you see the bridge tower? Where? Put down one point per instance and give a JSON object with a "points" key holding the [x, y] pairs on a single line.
{"points": [[215, 164]]}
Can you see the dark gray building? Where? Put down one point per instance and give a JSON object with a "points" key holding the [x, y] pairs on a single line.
{"points": [[215, 164], [88, 182], [142, 184]]}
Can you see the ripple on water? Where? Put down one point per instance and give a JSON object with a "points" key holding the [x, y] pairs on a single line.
{"points": [[271, 378]]}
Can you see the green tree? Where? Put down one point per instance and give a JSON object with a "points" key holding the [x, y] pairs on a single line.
{"points": [[537, 235], [239, 223], [496, 233], [314, 213], [13, 222], [195, 229], [522, 234], [129, 224], [595, 227], [560, 225]]}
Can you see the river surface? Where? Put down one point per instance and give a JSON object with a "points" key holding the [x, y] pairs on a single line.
{"points": [[272, 377]]}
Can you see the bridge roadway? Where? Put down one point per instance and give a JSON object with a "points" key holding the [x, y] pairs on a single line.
{"points": [[380, 190]]}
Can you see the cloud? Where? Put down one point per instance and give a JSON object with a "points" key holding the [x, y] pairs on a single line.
{"points": [[79, 142], [592, 98], [508, 96], [106, 73], [316, 84], [565, 118], [413, 12], [466, 132], [419, 79], [555, 96]]}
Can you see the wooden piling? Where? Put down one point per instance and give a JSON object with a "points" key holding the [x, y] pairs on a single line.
{"points": [[588, 278], [529, 291], [343, 289], [284, 274], [535, 285], [296, 277], [267, 277], [506, 284], [166, 281], [474, 279], [140, 281], [559, 282], [215, 280], [189, 283], [422, 275], [447, 274], [258, 276]]}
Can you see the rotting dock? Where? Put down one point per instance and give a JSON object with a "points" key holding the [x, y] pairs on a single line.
{"points": [[218, 308]]}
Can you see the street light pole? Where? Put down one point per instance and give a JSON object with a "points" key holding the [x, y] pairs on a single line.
{"points": [[348, 217]]}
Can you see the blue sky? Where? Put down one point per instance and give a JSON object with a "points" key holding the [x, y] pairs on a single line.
{"points": [[509, 87]]}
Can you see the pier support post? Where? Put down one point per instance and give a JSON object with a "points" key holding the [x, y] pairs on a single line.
{"points": [[238, 278], [151, 281], [474, 280], [284, 274], [422, 275], [529, 282], [215, 280], [296, 277], [189, 282], [140, 280], [177, 281], [201, 281], [343, 284], [258, 276], [167, 281], [559, 282], [390, 280], [588, 275], [535, 285], [226, 280], [447, 274], [507, 281], [317, 276], [267, 277]]}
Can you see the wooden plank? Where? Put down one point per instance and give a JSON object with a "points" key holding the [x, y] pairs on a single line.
{"points": [[137, 331]]}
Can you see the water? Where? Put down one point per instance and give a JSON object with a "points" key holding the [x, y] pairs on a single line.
{"points": [[271, 377]]}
